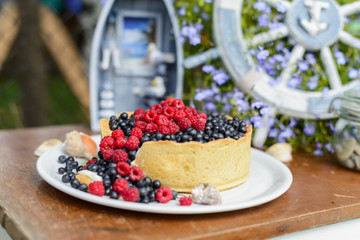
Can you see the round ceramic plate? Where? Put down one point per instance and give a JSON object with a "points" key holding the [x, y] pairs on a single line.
{"points": [[269, 178]]}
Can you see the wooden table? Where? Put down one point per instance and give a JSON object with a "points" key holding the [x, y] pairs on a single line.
{"points": [[322, 193]]}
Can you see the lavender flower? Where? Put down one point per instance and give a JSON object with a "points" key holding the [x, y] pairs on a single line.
{"points": [[294, 82], [313, 82], [182, 11], [284, 134], [208, 1], [257, 105], [220, 77], [310, 58], [328, 147], [265, 111], [281, 8], [210, 106], [318, 151], [207, 68], [257, 121], [190, 31], [273, 133], [340, 57], [242, 105], [326, 91], [260, 6], [303, 66], [262, 54], [263, 20], [196, 9], [293, 123], [205, 16], [309, 129], [353, 73]]}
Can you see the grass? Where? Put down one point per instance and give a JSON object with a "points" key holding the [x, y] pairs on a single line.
{"points": [[61, 104]]}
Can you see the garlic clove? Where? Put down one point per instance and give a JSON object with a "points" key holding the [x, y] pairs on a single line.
{"points": [[281, 151]]}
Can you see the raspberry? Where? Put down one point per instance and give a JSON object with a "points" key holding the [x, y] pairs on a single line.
{"points": [[193, 119], [155, 107], [169, 112], [170, 100], [164, 195], [97, 188], [91, 161], [199, 124], [162, 120], [164, 103], [107, 153], [139, 111], [141, 125], [117, 134], [188, 112], [131, 194], [123, 168], [107, 141], [150, 116], [193, 110], [137, 132], [120, 156], [135, 173], [178, 103], [202, 115], [185, 201], [179, 114], [164, 130], [120, 142], [151, 128], [173, 127], [120, 185], [132, 143], [184, 123]]}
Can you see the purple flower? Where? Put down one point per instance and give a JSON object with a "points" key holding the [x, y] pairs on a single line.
{"points": [[265, 111], [210, 106], [257, 121], [313, 82], [293, 123], [207, 68], [220, 77], [182, 11], [353, 73], [286, 133], [328, 147], [294, 82], [195, 39], [281, 8], [330, 124], [191, 32], [274, 132], [279, 58], [263, 20], [227, 107], [271, 121], [340, 57], [318, 151], [196, 9], [310, 58], [309, 129], [262, 54], [102, 2], [257, 104], [303, 66], [201, 95], [280, 45], [242, 105], [276, 25], [208, 1], [325, 91], [260, 6]]}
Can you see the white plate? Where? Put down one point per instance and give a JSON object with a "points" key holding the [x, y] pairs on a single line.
{"points": [[269, 178]]}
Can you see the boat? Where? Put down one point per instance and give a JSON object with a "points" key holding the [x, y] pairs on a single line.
{"points": [[136, 57]]}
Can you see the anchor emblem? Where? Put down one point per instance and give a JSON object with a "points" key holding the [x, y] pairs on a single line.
{"points": [[314, 26]]}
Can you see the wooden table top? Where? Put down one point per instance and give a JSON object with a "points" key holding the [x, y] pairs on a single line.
{"points": [[322, 193]]}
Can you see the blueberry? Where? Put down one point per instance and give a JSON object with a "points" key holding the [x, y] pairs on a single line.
{"points": [[112, 118], [151, 196], [132, 154], [61, 170], [83, 187], [75, 183], [71, 175], [167, 137], [113, 127], [156, 184], [66, 178], [70, 158], [100, 173], [107, 182], [114, 194], [107, 191], [94, 168], [106, 176], [147, 181], [145, 199], [185, 138], [79, 168], [116, 176], [112, 165], [174, 194], [237, 119], [159, 136], [68, 168], [143, 192], [62, 159], [124, 116], [141, 183], [75, 164]]}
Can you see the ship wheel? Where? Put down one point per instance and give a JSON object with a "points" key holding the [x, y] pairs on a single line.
{"points": [[314, 25]]}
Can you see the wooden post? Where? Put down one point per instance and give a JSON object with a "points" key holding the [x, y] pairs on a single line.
{"points": [[31, 71]]}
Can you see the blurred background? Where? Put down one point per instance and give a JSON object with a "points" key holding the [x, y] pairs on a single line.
{"points": [[44, 57]]}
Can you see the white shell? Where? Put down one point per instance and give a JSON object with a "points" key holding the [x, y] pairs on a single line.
{"points": [[74, 145], [206, 193], [46, 145], [281, 151], [345, 149]]}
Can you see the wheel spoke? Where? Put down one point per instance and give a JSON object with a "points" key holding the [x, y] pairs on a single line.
{"points": [[350, 8], [276, 3], [296, 54], [350, 40], [269, 36], [330, 68]]}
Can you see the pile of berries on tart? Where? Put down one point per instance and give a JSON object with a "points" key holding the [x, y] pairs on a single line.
{"points": [[151, 155]]}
